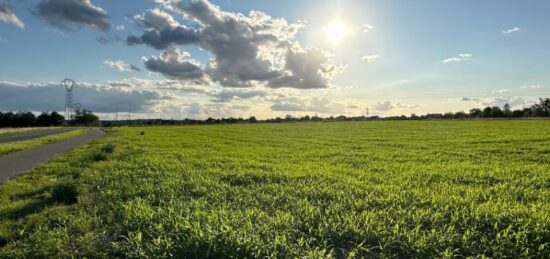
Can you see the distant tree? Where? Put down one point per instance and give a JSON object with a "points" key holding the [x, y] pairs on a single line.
{"points": [[85, 118], [507, 112], [528, 112], [475, 113], [542, 109], [25, 119], [460, 115], [56, 119], [341, 118], [448, 115], [517, 113], [7, 119], [487, 112], [50, 119], [252, 119], [496, 112], [43, 119]]}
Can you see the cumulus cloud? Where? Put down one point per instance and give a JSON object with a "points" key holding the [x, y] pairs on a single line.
{"points": [[459, 58], [176, 64], [500, 91], [248, 50], [511, 30], [8, 16], [155, 19], [367, 28], [321, 105], [121, 66], [98, 98], [530, 87], [120, 27], [66, 14], [370, 58]]}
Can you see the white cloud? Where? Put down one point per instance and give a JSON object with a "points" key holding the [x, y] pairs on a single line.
{"points": [[367, 28], [511, 30], [459, 58], [500, 91], [2, 40], [121, 66], [8, 16], [155, 19], [248, 50], [120, 28], [530, 87], [370, 58]]}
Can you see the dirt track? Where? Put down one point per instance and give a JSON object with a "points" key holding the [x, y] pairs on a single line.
{"points": [[18, 163]]}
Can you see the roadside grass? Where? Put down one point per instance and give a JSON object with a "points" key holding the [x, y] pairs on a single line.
{"points": [[6, 148], [6, 132], [314, 190]]}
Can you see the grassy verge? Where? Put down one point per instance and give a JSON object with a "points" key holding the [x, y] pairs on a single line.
{"points": [[6, 148], [6, 132], [317, 190]]}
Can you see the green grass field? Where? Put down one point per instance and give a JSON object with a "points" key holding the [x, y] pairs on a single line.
{"points": [[6, 148], [365, 189]]}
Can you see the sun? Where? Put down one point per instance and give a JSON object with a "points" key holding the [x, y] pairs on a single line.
{"points": [[336, 32]]}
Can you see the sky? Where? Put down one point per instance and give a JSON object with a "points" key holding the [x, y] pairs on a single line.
{"points": [[197, 59]]}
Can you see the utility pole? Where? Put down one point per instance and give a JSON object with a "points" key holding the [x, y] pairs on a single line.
{"points": [[69, 86]]}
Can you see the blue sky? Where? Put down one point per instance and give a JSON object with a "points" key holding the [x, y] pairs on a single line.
{"points": [[392, 57]]}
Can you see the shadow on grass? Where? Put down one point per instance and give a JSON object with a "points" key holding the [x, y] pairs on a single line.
{"points": [[61, 194]]}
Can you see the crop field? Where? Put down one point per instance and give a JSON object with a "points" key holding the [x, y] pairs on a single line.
{"points": [[10, 147], [315, 190]]}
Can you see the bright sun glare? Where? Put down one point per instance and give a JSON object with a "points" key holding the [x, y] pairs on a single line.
{"points": [[336, 31]]}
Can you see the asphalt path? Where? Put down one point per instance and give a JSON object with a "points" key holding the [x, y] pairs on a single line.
{"points": [[33, 135], [15, 164]]}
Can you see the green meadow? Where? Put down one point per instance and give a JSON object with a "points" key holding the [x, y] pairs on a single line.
{"points": [[308, 190]]}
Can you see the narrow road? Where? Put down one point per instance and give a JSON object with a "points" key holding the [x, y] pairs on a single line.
{"points": [[18, 163], [32, 135]]}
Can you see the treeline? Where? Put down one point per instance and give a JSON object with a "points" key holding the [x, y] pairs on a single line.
{"points": [[46, 119], [28, 119], [541, 109]]}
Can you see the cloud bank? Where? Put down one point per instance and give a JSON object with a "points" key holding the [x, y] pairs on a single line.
{"points": [[248, 50]]}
